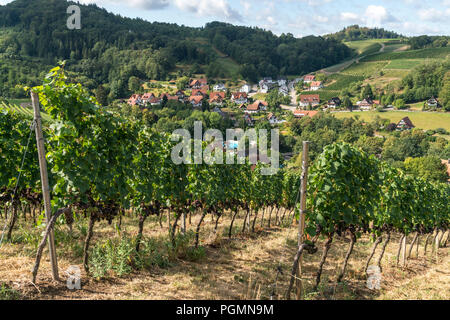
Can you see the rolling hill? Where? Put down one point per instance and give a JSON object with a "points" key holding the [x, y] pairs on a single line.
{"points": [[110, 49]]}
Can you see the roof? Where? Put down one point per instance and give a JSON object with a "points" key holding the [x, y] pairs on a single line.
{"points": [[366, 101], [309, 98], [260, 102], [203, 90], [154, 100], [133, 99], [169, 97], [407, 122], [197, 82], [303, 113], [239, 95], [196, 99], [147, 95], [309, 77], [316, 83], [215, 94], [253, 107]]}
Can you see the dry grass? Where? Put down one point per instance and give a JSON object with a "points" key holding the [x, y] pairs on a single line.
{"points": [[244, 267]]}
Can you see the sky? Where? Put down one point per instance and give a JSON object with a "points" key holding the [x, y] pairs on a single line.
{"points": [[298, 17]]}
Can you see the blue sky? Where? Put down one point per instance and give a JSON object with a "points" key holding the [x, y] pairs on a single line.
{"points": [[299, 17]]}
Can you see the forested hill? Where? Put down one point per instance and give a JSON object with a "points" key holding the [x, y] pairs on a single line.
{"points": [[355, 32], [109, 48]]}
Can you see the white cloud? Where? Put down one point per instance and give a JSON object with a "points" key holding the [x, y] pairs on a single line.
{"points": [[377, 15], [207, 8], [247, 6], [373, 16], [433, 14], [350, 17], [141, 4], [414, 28], [320, 19]]}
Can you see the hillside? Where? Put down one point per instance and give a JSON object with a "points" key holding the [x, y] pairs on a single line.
{"points": [[109, 49], [385, 69], [355, 32]]}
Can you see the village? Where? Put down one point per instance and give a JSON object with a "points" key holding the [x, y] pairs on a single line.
{"points": [[249, 100]]}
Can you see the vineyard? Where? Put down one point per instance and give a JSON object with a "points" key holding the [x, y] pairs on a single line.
{"points": [[103, 168]]}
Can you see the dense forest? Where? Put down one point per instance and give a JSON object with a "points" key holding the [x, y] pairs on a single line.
{"points": [[109, 49], [428, 42], [355, 32]]}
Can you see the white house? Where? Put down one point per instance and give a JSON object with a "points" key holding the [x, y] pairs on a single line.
{"points": [[273, 119], [284, 90], [219, 87], [282, 82], [239, 97], [366, 104], [316, 85], [246, 88], [433, 102]]}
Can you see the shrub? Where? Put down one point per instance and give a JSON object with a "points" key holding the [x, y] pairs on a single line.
{"points": [[112, 256]]}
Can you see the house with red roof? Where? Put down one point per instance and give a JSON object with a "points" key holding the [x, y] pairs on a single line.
{"points": [[239, 97], [257, 106], [196, 101], [309, 100], [198, 83], [217, 98], [203, 90], [146, 97], [169, 97], [316, 85], [309, 78], [135, 99], [155, 101], [303, 113]]}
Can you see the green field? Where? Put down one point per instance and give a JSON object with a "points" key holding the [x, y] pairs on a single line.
{"points": [[403, 64], [430, 53], [422, 120], [364, 69], [364, 47]]}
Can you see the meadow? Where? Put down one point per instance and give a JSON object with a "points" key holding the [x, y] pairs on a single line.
{"points": [[422, 120]]}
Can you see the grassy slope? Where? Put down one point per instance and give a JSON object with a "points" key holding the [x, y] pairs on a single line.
{"points": [[242, 268], [422, 120], [380, 69]]}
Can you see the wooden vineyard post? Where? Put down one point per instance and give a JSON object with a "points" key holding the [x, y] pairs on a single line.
{"points": [[44, 181], [301, 223]]}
